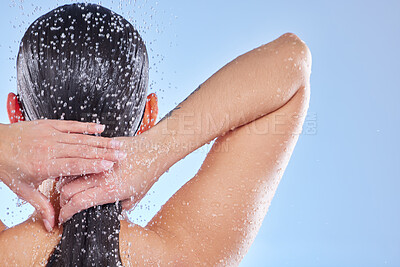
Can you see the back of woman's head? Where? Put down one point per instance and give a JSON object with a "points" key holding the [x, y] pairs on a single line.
{"points": [[83, 62]]}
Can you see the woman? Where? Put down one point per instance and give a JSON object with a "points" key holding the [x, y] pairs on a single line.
{"points": [[254, 107]]}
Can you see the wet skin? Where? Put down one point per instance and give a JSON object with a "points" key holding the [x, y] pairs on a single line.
{"points": [[259, 102]]}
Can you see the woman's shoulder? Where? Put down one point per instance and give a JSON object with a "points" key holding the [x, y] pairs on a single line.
{"points": [[27, 244]]}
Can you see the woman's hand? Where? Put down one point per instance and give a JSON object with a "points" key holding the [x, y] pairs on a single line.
{"points": [[31, 152], [97, 189], [128, 181]]}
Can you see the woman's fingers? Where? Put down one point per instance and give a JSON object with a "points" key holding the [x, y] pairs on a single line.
{"points": [[39, 202], [84, 200], [76, 126], [78, 185], [72, 166], [62, 181], [89, 140], [87, 152]]}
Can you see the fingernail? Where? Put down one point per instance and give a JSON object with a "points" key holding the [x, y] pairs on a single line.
{"points": [[120, 155], [107, 164], [115, 144], [100, 127], [47, 225]]}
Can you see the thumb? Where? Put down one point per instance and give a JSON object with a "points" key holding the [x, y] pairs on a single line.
{"points": [[41, 203]]}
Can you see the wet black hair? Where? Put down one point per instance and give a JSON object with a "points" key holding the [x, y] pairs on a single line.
{"points": [[86, 63]]}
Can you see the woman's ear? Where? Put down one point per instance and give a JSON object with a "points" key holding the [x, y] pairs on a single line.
{"points": [[150, 113], [14, 110]]}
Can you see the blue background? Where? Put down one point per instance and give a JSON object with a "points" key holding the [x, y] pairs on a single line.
{"points": [[338, 202]]}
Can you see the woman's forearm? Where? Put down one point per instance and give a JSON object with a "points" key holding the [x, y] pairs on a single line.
{"points": [[249, 87]]}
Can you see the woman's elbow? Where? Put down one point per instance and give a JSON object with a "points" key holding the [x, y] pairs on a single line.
{"points": [[297, 53]]}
